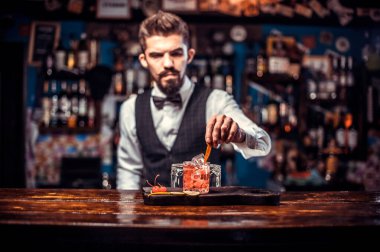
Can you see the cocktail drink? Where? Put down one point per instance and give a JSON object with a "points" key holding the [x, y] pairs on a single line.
{"points": [[196, 177]]}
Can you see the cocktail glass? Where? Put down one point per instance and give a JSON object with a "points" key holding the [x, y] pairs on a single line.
{"points": [[196, 177]]}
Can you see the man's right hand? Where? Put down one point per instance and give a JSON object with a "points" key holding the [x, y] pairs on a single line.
{"points": [[223, 129]]}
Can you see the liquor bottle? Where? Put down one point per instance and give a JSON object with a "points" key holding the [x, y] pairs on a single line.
{"points": [[82, 53], [250, 67], [261, 63], [118, 81], [329, 131], [207, 77], [342, 79], [64, 105], [321, 131], [341, 133], [48, 65], [351, 137], [45, 102], [82, 104], [332, 161], [219, 79], [71, 59], [93, 53], [335, 69], [272, 108], [350, 74], [60, 57], [129, 75], [54, 119], [91, 114], [229, 84], [74, 102], [283, 112], [343, 75], [312, 137]]}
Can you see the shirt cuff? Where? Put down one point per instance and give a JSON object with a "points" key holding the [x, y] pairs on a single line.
{"points": [[256, 141]]}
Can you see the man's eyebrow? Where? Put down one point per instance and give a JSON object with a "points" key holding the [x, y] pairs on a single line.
{"points": [[177, 49], [171, 51]]}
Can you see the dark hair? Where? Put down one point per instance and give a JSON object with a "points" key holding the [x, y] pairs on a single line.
{"points": [[163, 24]]}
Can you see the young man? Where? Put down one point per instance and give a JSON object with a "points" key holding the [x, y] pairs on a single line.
{"points": [[173, 121]]}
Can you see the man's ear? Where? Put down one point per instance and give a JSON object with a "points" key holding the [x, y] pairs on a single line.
{"points": [[142, 60], [190, 54]]}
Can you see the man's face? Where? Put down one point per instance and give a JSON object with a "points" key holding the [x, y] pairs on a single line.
{"points": [[166, 58]]}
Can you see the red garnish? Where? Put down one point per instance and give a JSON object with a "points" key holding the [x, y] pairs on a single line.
{"points": [[157, 188]]}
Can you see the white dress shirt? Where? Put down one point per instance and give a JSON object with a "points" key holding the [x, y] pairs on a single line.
{"points": [[167, 122]]}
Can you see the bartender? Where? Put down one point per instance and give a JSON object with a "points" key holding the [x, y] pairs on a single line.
{"points": [[173, 121]]}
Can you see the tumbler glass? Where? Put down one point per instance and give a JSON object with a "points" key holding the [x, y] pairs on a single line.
{"points": [[196, 177], [177, 175]]}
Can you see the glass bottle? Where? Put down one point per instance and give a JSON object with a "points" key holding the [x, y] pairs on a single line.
{"points": [[82, 104], [261, 63], [64, 105], [71, 59], [74, 102], [45, 101], [82, 53], [60, 57], [54, 119], [48, 65]]}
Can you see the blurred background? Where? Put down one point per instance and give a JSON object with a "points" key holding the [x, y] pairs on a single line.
{"points": [[306, 71]]}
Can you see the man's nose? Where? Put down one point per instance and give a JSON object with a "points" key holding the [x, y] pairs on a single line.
{"points": [[168, 61]]}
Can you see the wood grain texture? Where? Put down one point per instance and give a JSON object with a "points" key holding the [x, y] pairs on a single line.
{"points": [[116, 218]]}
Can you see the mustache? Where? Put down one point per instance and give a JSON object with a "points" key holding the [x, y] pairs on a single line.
{"points": [[167, 72]]}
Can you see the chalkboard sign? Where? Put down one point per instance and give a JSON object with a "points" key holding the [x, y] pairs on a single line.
{"points": [[43, 38]]}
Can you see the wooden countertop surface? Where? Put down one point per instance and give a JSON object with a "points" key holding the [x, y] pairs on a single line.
{"points": [[115, 218]]}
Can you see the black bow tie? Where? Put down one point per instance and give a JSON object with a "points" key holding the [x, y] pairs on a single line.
{"points": [[159, 101]]}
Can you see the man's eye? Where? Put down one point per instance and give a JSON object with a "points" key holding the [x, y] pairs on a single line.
{"points": [[155, 56], [177, 54]]}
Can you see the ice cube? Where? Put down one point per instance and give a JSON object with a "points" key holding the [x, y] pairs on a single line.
{"points": [[198, 159]]}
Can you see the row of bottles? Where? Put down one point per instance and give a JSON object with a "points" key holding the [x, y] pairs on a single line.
{"points": [[295, 104], [276, 113], [336, 129], [80, 56], [129, 76], [216, 73], [67, 104], [277, 56], [332, 137], [335, 85]]}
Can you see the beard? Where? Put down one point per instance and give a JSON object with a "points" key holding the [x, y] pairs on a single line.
{"points": [[173, 85]]}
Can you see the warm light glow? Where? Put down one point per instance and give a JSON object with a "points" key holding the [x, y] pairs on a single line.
{"points": [[287, 128], [348, 121]]}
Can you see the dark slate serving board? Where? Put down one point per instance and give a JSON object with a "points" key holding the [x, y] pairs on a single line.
{"points": [[226, 195]]}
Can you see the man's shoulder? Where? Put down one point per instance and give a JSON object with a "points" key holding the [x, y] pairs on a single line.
{"points": [[129, 103], [220, 93]]}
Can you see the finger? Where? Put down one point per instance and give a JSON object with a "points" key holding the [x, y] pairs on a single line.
{"points": [[233, 130], [225, 128], [209, 130], [216, 130]]}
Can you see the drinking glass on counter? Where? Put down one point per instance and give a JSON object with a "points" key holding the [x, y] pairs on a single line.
{"points": [[196, 177], [177, 175]]}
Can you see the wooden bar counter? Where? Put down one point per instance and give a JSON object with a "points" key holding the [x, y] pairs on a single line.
{"points": [[116, 220]]}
